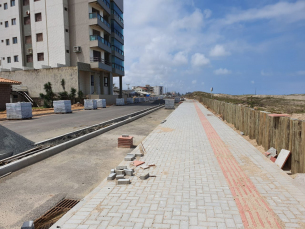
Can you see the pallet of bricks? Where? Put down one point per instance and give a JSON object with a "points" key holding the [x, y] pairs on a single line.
{"points": [[125, 141]]}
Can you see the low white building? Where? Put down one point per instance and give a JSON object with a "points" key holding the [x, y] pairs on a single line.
{"points": [[158, 90]]}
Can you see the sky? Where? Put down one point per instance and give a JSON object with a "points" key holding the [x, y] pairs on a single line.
{"points": [[234, 46]]}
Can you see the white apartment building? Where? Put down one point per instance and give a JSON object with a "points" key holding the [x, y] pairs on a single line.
{"points": [[158, 90], [48, 34], [34, 34]]}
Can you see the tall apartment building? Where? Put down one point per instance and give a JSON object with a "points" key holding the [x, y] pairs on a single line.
{"points": [[47, 34]]}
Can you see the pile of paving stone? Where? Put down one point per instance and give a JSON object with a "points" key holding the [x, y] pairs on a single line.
{"points": [[119, 174]]}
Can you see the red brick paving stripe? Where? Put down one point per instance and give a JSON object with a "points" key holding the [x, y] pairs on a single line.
{"points": [[253, 209]]}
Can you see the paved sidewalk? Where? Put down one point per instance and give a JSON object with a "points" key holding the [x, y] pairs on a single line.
{"points": [[207, 176]]}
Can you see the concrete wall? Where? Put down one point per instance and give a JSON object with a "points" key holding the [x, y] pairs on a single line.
{"points": [[35, 79], [5, 91]]}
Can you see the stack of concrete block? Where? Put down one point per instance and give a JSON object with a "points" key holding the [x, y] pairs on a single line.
{"points": [[119, 174], [101, 103], [120, 102], [142, 100], [62, 106], [169, 104], [146, 99], [19, 110], [177, 99], [136, 100], [129, 100], [90, 104], [125, 142]]}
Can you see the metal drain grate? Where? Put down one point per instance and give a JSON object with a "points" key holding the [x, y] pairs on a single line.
{"points": [[54, 214]]}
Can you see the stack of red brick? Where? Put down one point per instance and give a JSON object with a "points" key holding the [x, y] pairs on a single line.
{"points": [[125, 142]]}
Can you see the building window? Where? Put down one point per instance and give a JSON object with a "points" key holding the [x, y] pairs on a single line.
{"points": [[6, 24], [8, 60], [12, 2], [7, 41], [67, 30], [29, 58], [16, 59], [105, 82], [5, 6], [14, 40], [66, 9], [38, 17], [67, 51], [26, 2], [92, 80], [27, 20], [28, 39], [39, 37], [40, 56], [14, 21]]}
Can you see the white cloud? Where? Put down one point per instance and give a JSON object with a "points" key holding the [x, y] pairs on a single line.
{"points": [[199, 59], [289, 12], [194, 81], [193, 21], [207, 13], [252, 82], [301, 73], [180, 59], [263, 73], [222, 71], [219, 50]]}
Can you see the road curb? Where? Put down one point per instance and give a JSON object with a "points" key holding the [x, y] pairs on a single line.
{"points": [[19, 164]]}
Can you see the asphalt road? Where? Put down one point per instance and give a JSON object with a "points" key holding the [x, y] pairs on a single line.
{"points": [[32, 191], [44, 127]]}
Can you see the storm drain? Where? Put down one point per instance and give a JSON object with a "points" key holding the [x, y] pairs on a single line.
{"points": [[53, 215]]}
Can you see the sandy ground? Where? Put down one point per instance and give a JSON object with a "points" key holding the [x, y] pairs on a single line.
{"points": [[30, 192], [298, 116]]}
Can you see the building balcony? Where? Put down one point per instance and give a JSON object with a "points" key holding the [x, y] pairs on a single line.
{"points": [[117, 52], [117, 70], [96, 19], [103, 3], [117, 35], [99, 64], [98, 41], [115, 16]]}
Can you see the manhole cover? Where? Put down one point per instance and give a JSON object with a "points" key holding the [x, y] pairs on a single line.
{"points": [[54, 214]]}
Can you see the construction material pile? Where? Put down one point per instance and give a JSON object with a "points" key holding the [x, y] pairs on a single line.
{"points": [[125, 141], [177, 99], [90, 104], [169, 104], [62, 106], [101, 103], [19, 110], [129, 100], [120, 102]]}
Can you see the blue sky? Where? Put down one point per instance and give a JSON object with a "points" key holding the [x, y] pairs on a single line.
{"points": [[234, 46]]}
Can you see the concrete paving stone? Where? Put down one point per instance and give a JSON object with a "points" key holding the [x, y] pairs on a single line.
{"points": [[129, 172], [120, 172], [119, 177], [144, 176], [111, 176]]}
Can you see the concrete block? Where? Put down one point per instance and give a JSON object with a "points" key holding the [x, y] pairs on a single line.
{"points": [[129, 172], [124, 181], [139, 154], [282, 158], [112, 171], [18, 110], [271, 152], [129, 100], [125, 135], [111, 176], [120, 102], [144, 176], [169, 104], [101, 103], [121, 167], [119, 177], [62, 106], [90, 104], [120, 172], [130, 157]]}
